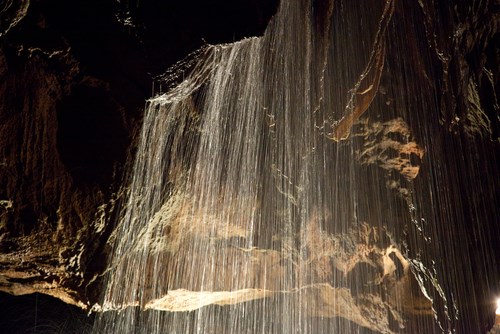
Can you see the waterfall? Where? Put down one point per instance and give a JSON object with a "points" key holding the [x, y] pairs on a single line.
{"points": [[274, 192]]}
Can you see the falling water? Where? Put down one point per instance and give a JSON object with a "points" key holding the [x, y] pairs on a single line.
{"points": [[274, 192]]}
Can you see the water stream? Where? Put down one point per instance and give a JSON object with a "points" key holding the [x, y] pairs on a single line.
{"points": [[294, 183]]}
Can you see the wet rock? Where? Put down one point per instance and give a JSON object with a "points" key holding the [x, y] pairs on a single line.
{"points": [[390, 145], [73, 80]]}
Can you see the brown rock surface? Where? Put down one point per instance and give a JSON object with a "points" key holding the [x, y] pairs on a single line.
{"points": [[72, 86]]}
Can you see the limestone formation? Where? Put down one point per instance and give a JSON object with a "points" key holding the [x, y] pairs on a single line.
{"points": [[73, 80]]}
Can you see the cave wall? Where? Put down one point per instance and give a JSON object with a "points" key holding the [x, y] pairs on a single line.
{"points": [[73, 80], [457, 67]]}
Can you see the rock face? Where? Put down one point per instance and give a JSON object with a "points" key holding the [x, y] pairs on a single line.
{"points": [[386, 298], [73, 80]]}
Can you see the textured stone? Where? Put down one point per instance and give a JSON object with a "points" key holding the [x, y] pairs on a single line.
{"points": [[73, 80]]}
